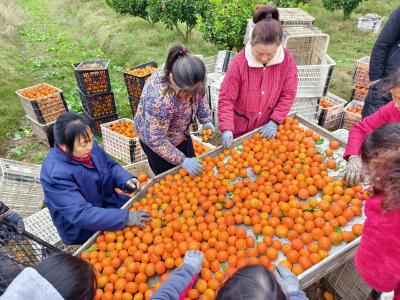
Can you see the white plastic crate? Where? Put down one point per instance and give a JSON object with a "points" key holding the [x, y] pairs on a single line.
{"points": [[306, 107], [308, 45], [141, 167], [331, 118], [351, 118], [224, 58], [370, 22], [361, 73], [41, 225], [215, 119], [214, 88], [342, 134], [124, 148], [39, 130], [209, 62], [20, 187]]}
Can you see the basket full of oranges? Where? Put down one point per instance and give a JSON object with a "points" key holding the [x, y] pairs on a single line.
{"points": [[136, 77], [330, 111], [352, 113]]}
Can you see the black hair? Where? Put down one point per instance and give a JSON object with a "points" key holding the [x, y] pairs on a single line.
{"points": [[254, 282], [267, 28], [72, 277], [67, 129], [188, 71]]}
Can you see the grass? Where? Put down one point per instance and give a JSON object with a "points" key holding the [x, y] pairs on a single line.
{"points": [[55, 34]]}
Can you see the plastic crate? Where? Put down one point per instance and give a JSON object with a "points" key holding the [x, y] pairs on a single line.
{"points": [[93, 80], [41, 225], [331, 118], [95, 123], [209, 62], [306, 107], [20, 187], [135, 84], [133, 103], [141, 167], [347, 283], [361, 73], [214, 87], [342, 134], [359, 93], [370, 22], [308, 45], [215, 119], [194, 127], [40, 130], [313, 80], [124, 148], [224, 58], [45, 109], [351, 118], [98, 105]]}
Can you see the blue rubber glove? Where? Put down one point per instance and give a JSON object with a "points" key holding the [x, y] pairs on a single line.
{"points": [[194, 258], [192, 166], [269, 130], [12, 217], [209, 125], [227, 139], [287, 280]]}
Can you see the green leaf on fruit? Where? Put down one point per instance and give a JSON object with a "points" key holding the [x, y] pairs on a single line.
{"points": [[91, 249], [338, 229], [231, 194], [224, 267], [320, 141], [154, 196]]}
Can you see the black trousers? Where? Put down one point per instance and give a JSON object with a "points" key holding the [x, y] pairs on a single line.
{"points": [[160, 165], [375, 99]]}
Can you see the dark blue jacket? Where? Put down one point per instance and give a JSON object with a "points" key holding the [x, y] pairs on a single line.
{"points": [[82, 199]]}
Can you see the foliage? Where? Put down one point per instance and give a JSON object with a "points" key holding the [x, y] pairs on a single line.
{"points": [[346, 6], [289, 3], [137, 8], [224, 23]]}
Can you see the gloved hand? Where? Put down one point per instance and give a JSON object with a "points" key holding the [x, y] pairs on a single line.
{"points": [[12, 217], [209, 125], [132, 185], [269, 130], [194, 258], [353, 171], [137, 218], [227, 139], [192, 166], [287, 280]]}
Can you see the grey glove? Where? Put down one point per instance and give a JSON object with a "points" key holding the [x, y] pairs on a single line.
{"points": [[287, 280], [269, 130], [137, 218], [227, 139], [132, 185], [353, 172], [192, 166], [194, 258], [12, 217]]}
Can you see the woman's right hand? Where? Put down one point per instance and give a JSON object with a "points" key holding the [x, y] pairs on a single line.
{"points": [[227, 139], [192, 166], [138, 218], [353, 172]]}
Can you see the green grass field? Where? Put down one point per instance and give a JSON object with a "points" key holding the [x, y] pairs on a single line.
{"points": [[42, 39]]}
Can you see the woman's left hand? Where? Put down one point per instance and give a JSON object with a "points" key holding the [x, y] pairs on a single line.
{"points": [[209, 125], [269, 130], [132, 184]]}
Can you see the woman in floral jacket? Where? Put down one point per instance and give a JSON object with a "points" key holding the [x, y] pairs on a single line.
{"points": [[171, 97]]}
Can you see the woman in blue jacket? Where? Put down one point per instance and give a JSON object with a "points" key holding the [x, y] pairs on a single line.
{"points": [[79, 181]]}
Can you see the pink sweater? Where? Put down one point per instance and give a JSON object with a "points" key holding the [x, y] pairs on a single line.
{"points": [[251, 96], [386, 114], [378, 255]]}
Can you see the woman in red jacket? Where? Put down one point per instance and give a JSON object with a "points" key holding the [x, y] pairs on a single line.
{"points": [[387, 114], [261, 83]]}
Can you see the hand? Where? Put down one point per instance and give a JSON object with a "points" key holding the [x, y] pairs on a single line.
{"points": [[269, 130], [353, 171], [286, 279], [12, 217], [132, 185], [192, 166], [227, 139], [209, 125], [194, 258], [137, 218]]}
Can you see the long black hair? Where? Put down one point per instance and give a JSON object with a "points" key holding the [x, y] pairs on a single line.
{"points": [[188, 71], [72, 277], [67, 129]]}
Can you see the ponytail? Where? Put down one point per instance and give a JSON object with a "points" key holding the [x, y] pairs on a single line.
{"points": [[268, 28]]}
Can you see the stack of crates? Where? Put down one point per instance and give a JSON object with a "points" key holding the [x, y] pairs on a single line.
{"points": [[135, 78], [42, 104], [370, 22], [331, 111], [94, 88], [361, 80]]}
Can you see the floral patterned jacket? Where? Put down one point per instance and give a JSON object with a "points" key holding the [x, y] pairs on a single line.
{"points": [[162, 120]]}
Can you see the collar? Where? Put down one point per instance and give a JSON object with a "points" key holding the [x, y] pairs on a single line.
{"points": [[87, 161], [253, 63]]}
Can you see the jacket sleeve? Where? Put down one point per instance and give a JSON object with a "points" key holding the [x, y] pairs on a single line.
{"points": [[360, 130], [177, 285], [389, 36], [228, 96], [157, 120], [287, 95], [203, 111], [65, 197]]}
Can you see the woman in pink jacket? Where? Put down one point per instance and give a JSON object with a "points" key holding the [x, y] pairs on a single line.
{"points": [[261, 83], [378, 256], [387, 114]]}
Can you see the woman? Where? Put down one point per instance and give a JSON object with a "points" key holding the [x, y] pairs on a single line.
{"points": [[58, 277], [171, 97], [387, 114], [79, 181], [261, 83]]}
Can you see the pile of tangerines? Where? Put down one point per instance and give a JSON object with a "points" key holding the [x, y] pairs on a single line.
{"points": [[268, 186], [200, 148]]}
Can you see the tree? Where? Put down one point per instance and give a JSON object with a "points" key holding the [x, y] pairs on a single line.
{"points": [[347, 6], [224, 22], [137, 8]]}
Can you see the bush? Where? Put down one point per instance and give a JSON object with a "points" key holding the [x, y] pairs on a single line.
{"points": [[224, 22], [289, 3], [347, 6], [137, 8]]}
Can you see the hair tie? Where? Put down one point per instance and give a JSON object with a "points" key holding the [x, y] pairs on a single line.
{"points": [[182, 51]]}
